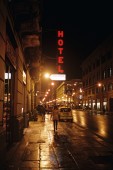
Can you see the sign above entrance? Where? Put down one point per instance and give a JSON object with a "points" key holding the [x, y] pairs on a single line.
{"points": [[59, 77]]}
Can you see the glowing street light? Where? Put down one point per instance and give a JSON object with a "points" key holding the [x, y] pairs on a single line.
{"points": [[99, 84], [47, 75], [52, 83]]}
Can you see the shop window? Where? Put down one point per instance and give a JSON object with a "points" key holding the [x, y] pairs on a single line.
{"points": [[104, 88], [104, 74], [110, 86], [110, 71], [8, 101]]}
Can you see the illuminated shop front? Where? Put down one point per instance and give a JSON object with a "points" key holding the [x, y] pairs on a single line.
{"points": [[93, 104], [8, 109], [89, 103], [98, 104], [105, 103]]}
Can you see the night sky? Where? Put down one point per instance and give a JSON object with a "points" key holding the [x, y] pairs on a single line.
{"points": [[85, 24]]}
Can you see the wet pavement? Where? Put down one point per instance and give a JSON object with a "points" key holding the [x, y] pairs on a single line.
{"points": [[70, 148], [100, 123]]}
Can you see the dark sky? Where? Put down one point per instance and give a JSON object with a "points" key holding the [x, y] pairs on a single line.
{"points": [[85, 23]]}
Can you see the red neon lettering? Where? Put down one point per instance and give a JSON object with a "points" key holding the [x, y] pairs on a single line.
{"points": [[60, 59], [60, 50], [60, 42], [60, 70], [60, 33]]}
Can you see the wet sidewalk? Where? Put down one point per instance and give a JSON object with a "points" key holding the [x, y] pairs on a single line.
{"points": [[71, 148]]}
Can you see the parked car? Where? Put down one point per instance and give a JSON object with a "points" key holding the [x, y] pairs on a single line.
{"points": [[65, 114]]}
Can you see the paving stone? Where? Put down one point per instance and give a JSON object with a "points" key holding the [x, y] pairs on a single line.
{"points": [[71, 148], [29, 164]]}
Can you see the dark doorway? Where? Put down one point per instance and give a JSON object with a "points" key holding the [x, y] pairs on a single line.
{"points": [[111, 104]]}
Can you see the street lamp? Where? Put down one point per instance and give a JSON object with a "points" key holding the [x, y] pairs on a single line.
{"points": [[53, 95], [38, 85], [47, 75], [99, 84], [52, 83], [99, 103]]}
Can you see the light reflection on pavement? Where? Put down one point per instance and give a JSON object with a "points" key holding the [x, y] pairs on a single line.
{"points": [[99, 123], [70, 148]]}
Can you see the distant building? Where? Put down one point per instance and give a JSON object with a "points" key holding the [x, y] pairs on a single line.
{"points": [[98, 77], [70, 93]]}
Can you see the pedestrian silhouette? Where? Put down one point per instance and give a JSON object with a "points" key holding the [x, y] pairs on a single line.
{"points": [[42, 112], [55, 116]]}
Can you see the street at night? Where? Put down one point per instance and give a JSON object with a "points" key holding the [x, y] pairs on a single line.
{"points": [[72, 147], [56, 69]]}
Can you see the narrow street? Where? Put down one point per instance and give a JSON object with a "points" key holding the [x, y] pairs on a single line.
{"points": [[72, 147]]}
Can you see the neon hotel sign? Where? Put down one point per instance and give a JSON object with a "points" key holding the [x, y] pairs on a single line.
{"points": [[60, 75], [60, 51]]}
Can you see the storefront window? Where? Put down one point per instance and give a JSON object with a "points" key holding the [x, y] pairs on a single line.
{"points": [[8, 101]]}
